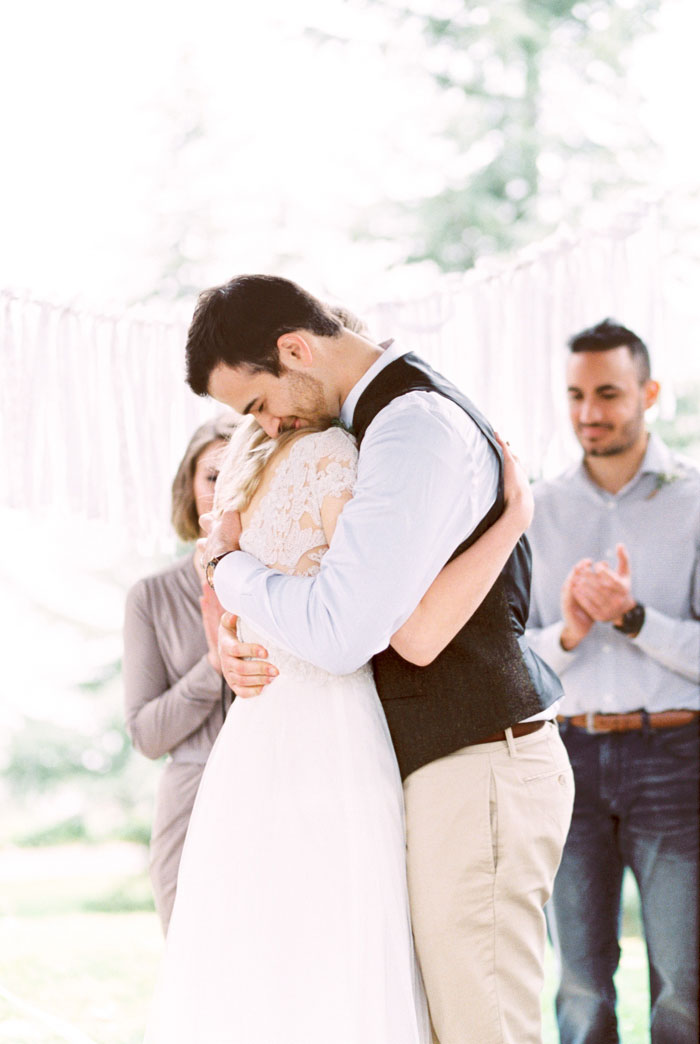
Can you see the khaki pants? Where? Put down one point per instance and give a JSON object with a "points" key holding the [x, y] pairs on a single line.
{"points": [[485, 831]]}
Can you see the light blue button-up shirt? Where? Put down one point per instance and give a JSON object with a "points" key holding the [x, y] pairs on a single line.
{"points": [[657, 517], [426, 476]]}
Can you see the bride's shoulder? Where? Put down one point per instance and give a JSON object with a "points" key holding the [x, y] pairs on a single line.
{"points": [[334, 442], [312, 452]]}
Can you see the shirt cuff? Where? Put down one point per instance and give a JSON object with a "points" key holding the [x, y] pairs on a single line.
{"points": [[233, 577], [546, 644]]}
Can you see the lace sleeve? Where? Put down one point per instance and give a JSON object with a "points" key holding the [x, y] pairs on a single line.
{"points": [[291, 525], [336, 465]]}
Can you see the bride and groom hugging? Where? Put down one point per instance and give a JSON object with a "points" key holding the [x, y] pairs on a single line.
{"points": [[291, 922]]}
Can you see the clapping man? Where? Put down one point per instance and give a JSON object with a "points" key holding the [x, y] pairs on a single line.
{"points": [[615, 611]]}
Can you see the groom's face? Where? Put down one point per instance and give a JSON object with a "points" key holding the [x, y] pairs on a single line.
{"points": [[292, 400]]}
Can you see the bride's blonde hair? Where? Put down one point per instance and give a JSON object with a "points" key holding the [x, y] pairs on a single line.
{"points": [[244, 461], [250, 450]]}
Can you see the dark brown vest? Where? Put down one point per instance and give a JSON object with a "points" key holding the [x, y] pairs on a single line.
{"points": [[487, 678]]}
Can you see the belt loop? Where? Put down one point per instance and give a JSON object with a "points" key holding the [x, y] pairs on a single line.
{"points": [[646, 725], [512, 749], [590, 723], [564, 725]]}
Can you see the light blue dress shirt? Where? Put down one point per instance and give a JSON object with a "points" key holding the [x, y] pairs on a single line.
{"points": [[426, 477], [657, 517]]}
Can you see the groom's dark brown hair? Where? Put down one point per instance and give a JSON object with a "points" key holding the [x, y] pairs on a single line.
{"points": [[240, 322]]}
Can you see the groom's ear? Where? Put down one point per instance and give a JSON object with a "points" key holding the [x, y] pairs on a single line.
{"points": [[295, 350]]}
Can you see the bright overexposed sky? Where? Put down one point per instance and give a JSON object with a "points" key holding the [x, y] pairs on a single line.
{"points": [[106, 165], [103, 95]]}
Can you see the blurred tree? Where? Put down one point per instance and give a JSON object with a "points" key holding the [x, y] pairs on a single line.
{"points": [[539, 118], [181, 222], [73, 775], [682, 432]]}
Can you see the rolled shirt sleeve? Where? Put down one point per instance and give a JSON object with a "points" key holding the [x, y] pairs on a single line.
{"points": [[675, 644]]}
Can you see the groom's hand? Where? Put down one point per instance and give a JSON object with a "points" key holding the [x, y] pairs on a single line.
{"points": [[243, 664]]}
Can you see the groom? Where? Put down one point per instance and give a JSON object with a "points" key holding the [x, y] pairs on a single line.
{"points": [[487, 783]]}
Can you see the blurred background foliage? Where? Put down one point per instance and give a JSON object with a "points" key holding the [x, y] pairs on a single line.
{"points": [[79, 780], [536, 120], [540, 119]]}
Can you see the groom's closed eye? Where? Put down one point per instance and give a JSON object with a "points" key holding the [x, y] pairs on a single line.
{"points": [[254, 406]]}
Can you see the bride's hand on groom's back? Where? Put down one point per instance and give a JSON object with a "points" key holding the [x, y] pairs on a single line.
{"points": [[520, 504], [243, 664]]}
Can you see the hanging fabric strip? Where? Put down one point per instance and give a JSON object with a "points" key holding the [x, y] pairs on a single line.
{"points": [[95, 412]]}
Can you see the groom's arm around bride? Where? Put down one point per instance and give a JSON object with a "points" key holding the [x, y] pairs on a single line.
{"points": [[487, 782]]}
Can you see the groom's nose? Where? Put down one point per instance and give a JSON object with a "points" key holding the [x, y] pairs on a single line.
{"points": [[270, 425]]}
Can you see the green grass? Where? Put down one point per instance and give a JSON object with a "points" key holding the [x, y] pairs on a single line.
{"points": [[80, 894], [79, 944], [94, 971], [79, 956]]}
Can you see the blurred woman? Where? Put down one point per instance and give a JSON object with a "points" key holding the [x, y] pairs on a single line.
{"points": [[172, 675]]}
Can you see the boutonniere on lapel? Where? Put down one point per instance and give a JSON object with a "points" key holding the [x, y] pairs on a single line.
{"points": [[664, 478]]}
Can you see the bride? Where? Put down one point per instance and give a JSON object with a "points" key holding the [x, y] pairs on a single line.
{"points": [[291, 923]]}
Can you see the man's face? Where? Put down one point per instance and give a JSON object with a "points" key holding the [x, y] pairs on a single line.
{"points": [[607, 401], [292, 400]]}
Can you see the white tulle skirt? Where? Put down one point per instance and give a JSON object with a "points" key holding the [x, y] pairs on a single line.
{"points": [[291, 923]]}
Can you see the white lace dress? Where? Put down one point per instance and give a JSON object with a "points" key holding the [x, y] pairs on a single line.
{"points": [[291, 922]]}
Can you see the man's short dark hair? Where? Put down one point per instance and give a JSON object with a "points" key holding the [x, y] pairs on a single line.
{"points": [[240, 322], [607, 335]]}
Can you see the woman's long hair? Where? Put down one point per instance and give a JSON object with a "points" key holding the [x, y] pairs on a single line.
{"points": [[244, 462], [184, 514]]}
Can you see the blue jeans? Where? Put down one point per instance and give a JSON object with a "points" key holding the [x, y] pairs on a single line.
{"points": [[636, 806]]}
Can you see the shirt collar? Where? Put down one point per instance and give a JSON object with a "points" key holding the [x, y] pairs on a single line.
{"points": [[392, 350], [657, 460]]}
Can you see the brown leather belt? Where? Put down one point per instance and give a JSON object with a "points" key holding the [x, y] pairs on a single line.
{"points": [[671, 719], [524, 728]]}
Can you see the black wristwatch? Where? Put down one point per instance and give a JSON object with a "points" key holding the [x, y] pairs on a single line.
{"points": [[632, 621], [211, 566]]}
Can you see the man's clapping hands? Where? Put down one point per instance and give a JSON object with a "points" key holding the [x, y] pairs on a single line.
{"points": [[595, 592]]}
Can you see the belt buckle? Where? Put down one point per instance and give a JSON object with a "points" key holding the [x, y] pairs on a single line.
{"points": [[590, 724]]}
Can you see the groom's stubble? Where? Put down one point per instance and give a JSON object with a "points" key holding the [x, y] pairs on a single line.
{"points": [[309, 404]]}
